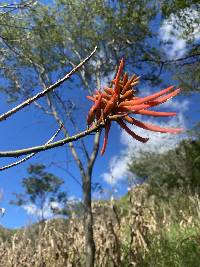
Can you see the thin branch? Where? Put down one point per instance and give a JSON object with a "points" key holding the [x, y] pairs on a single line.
{"points": [[71, 145], [13, 7], [20, 152], [59, 121], [74, 124], [69, 173], [14, 26], [31, 155], [18, 6], [47, 90], [94, 152], [170, 61], [96, 138], [42, 108]]}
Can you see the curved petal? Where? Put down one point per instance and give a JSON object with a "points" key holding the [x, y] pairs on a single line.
{"points": [[105, 141], [91, 98], [152, 127], [150, 103], [155, 113], [152, 97], [134, 135], [117, 79], [128, 84]]}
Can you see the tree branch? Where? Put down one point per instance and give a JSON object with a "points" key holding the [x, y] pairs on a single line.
{"points": [[31, 155], [71, 145], [44, 92], [20, 152], [74, 124], [69, 173], [20, 5], [94, 152], [96, 138], [170, 61]]}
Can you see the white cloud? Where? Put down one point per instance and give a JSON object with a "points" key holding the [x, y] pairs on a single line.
{"points": [[105, 81], [158, 142], [73, 200], [118, 167], [176, 105], [33, 210], [175, 35]]}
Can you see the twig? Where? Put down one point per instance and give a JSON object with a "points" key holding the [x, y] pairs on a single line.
{"points": [[69, 173], [15, 5], [31, 155], [73, 123], [170, 61], [18, 153], [47, 90]]}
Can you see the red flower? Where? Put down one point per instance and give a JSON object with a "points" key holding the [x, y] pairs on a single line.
{"points": [[118, 102]]}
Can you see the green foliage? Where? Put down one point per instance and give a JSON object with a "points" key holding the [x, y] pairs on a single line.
{"points": [[172, 6], [176, 168], [123, 205], [47, 40], [40, 183], [188, 75], [175, 239], [175, 247], [186, 20], [41, 187], [6, 234]]}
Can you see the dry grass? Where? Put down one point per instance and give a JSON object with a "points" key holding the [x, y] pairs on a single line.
{"points": [[122, 232]]}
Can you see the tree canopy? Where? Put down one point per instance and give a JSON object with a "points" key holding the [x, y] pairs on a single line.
{"points": [[178, 168], [42, 189]]}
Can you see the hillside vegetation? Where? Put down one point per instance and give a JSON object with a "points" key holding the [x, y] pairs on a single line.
{"points": [[140, 229]]}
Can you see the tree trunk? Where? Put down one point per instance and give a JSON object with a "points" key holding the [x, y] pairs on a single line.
{"points": [[88, 222]]}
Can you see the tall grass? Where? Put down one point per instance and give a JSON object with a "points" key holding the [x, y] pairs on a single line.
{"points": [[137, 230]]}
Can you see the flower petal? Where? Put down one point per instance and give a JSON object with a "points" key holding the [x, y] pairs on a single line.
{"points": [[153, 96], [109, 90], [127, 94], [150, 103], [117, 79], [165, 98], [91, 98], [134, 135], [125, 79], [152, 127], [128, 84], [110, 105], [105, 141], [155, 113]]}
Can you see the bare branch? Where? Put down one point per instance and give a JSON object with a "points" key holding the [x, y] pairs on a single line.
{"points": [[74, 125], [69, 173], [96, 139], [18, 153], [31, 155], [42, 108], [171, 61], [9, 8], [21, 5], [71, 145], [47, 90], [94, 152]]}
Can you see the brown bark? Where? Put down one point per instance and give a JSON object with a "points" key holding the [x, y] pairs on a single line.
{"points": [[88, 222]]}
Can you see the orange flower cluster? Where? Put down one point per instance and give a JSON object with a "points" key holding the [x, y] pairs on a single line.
{"points": [[117, 102]]}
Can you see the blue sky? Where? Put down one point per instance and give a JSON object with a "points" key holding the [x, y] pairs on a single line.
{"points": [[30, 127]]}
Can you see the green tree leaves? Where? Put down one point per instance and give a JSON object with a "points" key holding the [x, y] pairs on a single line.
{"points": [[178, 168], [42, 188]]}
